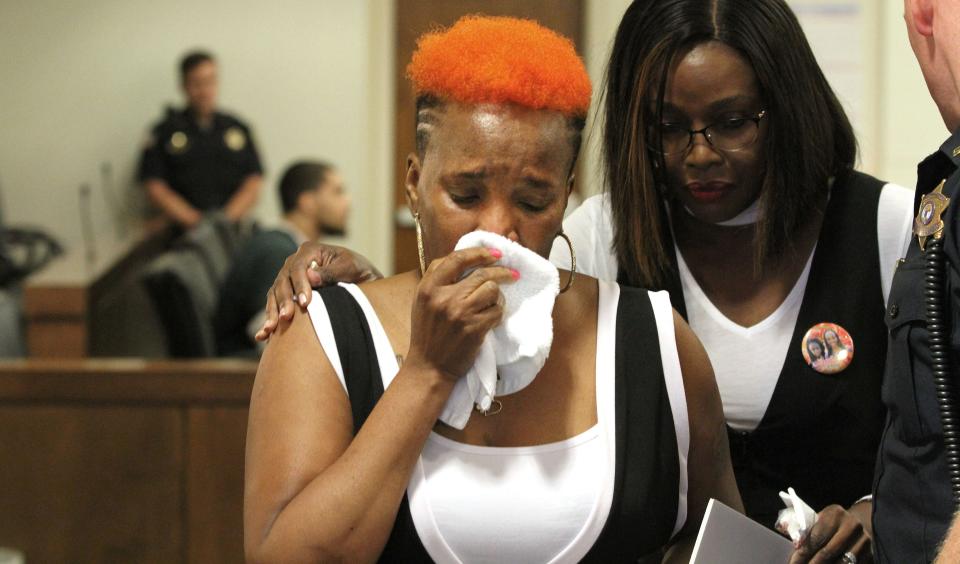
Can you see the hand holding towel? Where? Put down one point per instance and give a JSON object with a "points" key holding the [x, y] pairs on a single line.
{"points": [[518, 347], [797, 519]]}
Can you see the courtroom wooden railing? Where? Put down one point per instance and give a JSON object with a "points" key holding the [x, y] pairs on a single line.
{"points": [[116, 460]]}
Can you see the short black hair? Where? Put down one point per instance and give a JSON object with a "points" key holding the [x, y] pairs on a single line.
{"points": [[192, 60], [425, 118], [809, 139], [301, 177]]}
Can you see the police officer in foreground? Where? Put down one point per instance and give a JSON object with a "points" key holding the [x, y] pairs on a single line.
{"points": [[199, 160], [916, 491]]}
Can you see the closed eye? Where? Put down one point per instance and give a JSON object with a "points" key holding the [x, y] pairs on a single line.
{"points": [[533, 208], [672, 130], [534, 200], [464, 199], [732, 123]]}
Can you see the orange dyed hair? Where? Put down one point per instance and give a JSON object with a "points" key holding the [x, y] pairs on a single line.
{"points": [[483, 59]]}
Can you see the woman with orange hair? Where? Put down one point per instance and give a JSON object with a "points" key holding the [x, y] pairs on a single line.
{"points": [[609, 455], [730, 182]]}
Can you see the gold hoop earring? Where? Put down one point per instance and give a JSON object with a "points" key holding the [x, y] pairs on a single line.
{"points": [[573, 262], [416, 224]]}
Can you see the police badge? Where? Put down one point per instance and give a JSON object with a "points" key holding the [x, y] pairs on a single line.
{"points": [[178, 143], [928, 222], [235, 138]]}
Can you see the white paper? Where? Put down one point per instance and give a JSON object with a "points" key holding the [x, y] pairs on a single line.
{"points": [[727, 537]]}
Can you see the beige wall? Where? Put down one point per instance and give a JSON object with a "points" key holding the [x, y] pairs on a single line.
{"points": [[82, 81], [603, 17], [908, 123]]}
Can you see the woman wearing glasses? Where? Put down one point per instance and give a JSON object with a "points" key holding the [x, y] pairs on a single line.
{"points": [[729, 165], [730, 183]]}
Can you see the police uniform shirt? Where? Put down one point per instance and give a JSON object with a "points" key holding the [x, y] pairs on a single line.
{"points": [[912, 502], [204, 165]]}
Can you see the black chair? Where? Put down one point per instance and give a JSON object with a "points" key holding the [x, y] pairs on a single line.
{"points": [[184, 296], [183, 283]]}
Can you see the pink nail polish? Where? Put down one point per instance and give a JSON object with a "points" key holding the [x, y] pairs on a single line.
{"points": [[303, 299], [495, 253], [515, 273]]}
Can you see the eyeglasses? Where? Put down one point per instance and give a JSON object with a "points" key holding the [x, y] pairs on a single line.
{"points": [[728, 135]]}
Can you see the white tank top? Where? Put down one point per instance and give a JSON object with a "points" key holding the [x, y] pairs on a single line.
{"points": [[543, 503], [545, 492]]}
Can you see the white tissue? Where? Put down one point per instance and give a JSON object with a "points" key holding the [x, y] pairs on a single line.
{"points": [[519, 346], [797, 519]]}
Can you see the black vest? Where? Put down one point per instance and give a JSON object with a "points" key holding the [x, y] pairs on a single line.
{"points": [[646, 489], [820, 432]]}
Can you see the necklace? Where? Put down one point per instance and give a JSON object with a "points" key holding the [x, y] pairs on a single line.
{"points": [[495, 407]]}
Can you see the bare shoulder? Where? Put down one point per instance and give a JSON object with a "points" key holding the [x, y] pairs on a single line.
{"points": [[294, 365], [385, 291], [388, 284], [392, 298]]}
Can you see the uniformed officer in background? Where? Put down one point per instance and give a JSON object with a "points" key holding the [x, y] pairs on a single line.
{"points": [[914, 501], [199, 160]]}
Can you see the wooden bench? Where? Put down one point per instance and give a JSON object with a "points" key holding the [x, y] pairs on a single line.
{"points": [[118, 460]]}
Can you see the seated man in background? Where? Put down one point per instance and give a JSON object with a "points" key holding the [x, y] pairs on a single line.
{"points": [[198, 160], [314, 204]]}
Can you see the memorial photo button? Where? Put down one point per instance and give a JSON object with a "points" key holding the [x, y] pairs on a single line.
{"points": [[828, 347]]}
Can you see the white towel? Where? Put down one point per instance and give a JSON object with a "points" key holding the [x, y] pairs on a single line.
{"points": [[519, 346], [797, 519]]}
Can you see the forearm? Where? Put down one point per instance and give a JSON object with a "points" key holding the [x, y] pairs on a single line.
{"points": [[950, 550], [348, 511], [173, 205], [243, 200]]}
